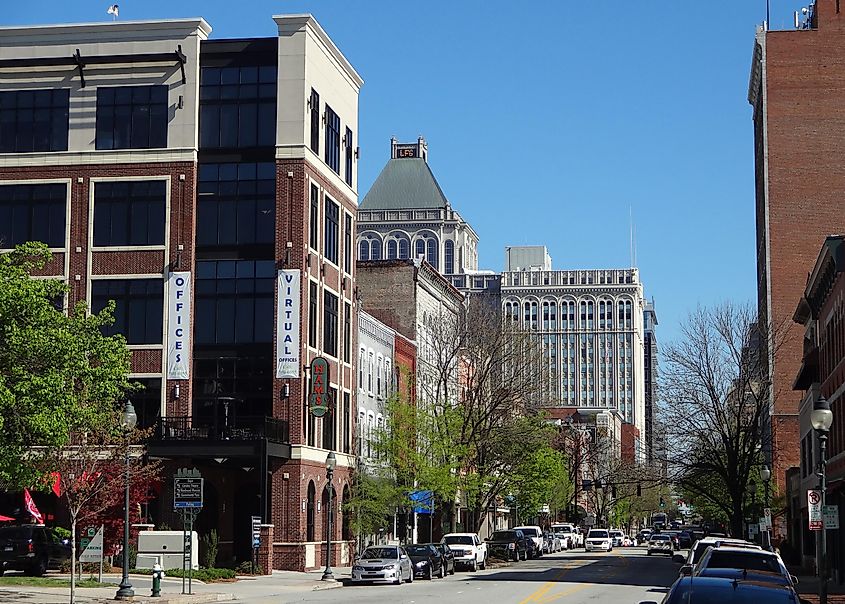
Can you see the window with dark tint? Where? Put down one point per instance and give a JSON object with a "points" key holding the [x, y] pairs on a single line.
{"points": [[139, 307], [348, 172], [347, 423], [233, 387], [315, 121], [332, 139], [32, 213], [497, 536], [238, 107], [129, 212], [147, 401], [449, 255], [314, 222], [236, 205], [132, 117], [329, 421], [348, 250], [347, 332], [750, 561], [234, 301], [331, 230], [312, 314], [329, 323], [34, 120]]}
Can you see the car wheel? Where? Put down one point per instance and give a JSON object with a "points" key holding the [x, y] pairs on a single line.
{"points": [[525, 555], [411, 575], [398, 580], [430, 574], [483, 565], [442, 574], [452, 572], [474, 566]]}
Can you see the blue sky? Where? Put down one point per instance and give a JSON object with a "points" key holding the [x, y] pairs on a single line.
{"points": [[549, 122]]}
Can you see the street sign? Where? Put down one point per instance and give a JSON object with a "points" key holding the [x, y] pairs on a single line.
{"points": [[831, 516], [256, 531], [187, 489], [814, 501], [319, 398], [767, 514], [753, 529], [93, 551]]}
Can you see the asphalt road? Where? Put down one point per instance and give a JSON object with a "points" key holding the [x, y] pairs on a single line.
{"points": [[620, 577]]}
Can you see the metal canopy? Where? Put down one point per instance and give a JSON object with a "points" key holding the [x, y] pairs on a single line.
{"points": [[80, 62]]}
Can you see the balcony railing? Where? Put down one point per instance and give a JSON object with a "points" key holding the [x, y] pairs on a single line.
{"points": [[185, 427]]}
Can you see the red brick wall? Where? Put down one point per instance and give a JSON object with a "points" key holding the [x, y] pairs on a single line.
{"points": [[805, 85]]}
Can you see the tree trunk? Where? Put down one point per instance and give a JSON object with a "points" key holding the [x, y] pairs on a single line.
{"points": [[72, 558], [453, 517], [737, 519]]}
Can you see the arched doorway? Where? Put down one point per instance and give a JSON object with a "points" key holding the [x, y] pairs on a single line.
{"points": [[346, 522], [309, 512]]}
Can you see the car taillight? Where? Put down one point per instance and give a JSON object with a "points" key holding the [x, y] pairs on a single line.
{"points": [[29, 547]]}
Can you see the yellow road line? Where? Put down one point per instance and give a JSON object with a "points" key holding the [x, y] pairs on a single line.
{"points": [[540, 596]]}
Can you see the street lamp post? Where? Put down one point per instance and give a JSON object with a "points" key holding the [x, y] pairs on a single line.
{"points": [[331, 463], [821, 418], [765, 476], [127, 422], [752, 486]]}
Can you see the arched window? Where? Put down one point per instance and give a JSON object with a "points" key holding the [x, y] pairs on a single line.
{"points": [[404, 249], [364, 250], [375, 249], [419, 248], [449, 257], [553, 315], [309, 512], [431, 254], [392, 252], [346, 519]]}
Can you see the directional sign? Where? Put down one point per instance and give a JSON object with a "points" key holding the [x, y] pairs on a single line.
{"points": [[831, 516], [256, 531], [767, 514], [814, 501], [187, 489], [93, 551]]}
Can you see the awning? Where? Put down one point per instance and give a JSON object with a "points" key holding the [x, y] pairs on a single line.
{"points": [[5, 518]]}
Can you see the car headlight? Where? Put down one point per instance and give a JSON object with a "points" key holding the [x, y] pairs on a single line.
{"points": [[357, 568]]}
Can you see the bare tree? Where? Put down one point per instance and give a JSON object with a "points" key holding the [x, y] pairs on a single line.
{"points": [[717, 395]]}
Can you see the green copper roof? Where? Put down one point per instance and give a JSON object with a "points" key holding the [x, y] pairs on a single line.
{"points": [[404, 184]]}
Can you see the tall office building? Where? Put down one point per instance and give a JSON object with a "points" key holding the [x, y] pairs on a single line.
{"points": [[208, 187], [796, 88], [650, 371]]}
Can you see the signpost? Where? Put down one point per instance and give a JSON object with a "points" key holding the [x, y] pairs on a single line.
{"points": [[814, 501], [92, 547], [256, 540], [187, 499], [830, 514]]}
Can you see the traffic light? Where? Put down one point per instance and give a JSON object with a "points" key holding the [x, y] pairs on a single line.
{"points": [[613, 491], [662, 503], [639, 490]]}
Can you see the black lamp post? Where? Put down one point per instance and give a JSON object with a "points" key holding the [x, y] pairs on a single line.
{"points": [[127, 422], [821, 418], [752, 486], [765, 476], [331, 463]]}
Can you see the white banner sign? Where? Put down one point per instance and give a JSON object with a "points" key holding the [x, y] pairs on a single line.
{"points": [[179, 326], [93, 552], [814, 509], [287, 325]]}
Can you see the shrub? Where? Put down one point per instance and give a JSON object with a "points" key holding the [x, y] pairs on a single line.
{"points": [[207, 575], [62, 532], [210, 544]]}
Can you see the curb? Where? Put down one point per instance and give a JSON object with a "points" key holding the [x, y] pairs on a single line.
{"points": [[327, 585], [186, 599]]}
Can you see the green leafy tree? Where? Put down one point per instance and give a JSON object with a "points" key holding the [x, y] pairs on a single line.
{"points": [[535, 479], [58, 374]]}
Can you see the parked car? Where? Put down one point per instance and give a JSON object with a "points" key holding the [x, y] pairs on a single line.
{"points": [[618, 537], [569, 534], [718, 590], [642, 536], [510, 545], [564, 539], [536, 534], [383, 563], [660, 543], [685, 539], [700, 546], [598, 539], [32, 548], [426, 561], [448, 556], [551, 543], [744, 563], [469, 550], [673, 537]]}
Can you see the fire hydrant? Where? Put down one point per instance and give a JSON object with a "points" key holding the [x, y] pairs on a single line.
{"points": [[158, 574]]}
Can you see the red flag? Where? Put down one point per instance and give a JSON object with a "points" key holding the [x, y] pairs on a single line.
{"points": [[57, 483], [30, 507]]}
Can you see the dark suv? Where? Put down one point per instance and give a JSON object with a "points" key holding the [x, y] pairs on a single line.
{"points": [[32, 549]]}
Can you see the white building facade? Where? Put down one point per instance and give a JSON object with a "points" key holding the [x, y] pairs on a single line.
{"points": [[591, 323]]}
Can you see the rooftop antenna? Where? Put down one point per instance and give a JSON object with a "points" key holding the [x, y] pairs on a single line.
{"points": [[114, 11]]}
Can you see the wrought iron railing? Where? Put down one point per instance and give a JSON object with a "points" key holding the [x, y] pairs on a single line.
{"points": [[185, 427]]}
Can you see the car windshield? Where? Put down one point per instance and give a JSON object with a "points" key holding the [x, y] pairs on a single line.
{"points": [[728, 593], [15, 532], [617, 533], [743, 561], [380, 553], [564, 529], [503, 536], [699, 550], [597, 535], [660, 538], [458, 539], [529, 532], [418, 550]]}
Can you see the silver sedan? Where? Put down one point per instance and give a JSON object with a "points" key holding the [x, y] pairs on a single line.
{"points": [[383, 563]]}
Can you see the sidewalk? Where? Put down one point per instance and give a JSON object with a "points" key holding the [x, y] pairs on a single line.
{"points": [[808, 590]]}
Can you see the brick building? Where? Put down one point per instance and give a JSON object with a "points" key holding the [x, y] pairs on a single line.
{"points": [[796, 89], [208, 187]]}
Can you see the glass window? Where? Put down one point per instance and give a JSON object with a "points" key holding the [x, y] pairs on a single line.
{"points": [[237, 107], [392, 252], [147, 401], [348, 172], [347, 423], [132, 117], [375, 249], [330, 323], [315, 121], [347, 332], [139, 308], [312, 315], [314, 220], [328, 421], [32, 213], [332, 139], [449, 257], [34, 120], [129, 212], [331, 230], [234, 301], [236, 205], [364, 250], [348, 252], [419, 250], [404, 249]]}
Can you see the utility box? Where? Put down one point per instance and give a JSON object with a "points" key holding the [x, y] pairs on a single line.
{"points": [[166, 548]]}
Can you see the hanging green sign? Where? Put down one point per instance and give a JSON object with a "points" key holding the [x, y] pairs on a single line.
{"points": [[319, 399]]}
